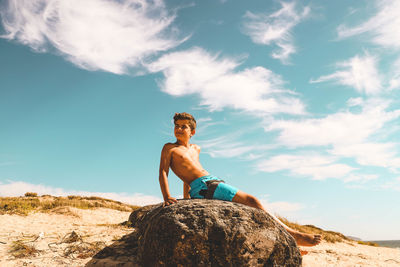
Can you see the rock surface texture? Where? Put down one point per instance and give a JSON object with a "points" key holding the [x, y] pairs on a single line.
{"points": [[204, 233]]}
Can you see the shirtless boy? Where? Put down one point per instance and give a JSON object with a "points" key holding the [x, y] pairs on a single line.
{"points": [[183, 159]]}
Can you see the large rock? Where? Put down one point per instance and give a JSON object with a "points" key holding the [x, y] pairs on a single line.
{"points": [[210, 233]]}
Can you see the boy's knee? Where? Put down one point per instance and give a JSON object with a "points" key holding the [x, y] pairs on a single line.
{"points": [[251, 199]]}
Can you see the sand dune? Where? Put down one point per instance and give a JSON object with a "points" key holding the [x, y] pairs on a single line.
{"points": [[350, 254], [49, 233], [51, 228]]}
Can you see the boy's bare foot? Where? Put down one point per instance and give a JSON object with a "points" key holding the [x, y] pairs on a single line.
{"points": [[307, 240]]}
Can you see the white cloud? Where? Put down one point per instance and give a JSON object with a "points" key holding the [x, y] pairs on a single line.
{"points": [[353, 102], [280, 207], [348, 134], [358, 72], [384, 26], [335, 129], [383, 29], [316, 167], [205, 125], [93, 34], [360, 178], [394, 82], [231, 150], [276, 28], [19, 188], [227, 147], [230, 145], [219, 86], [394, 184], [204, 120], [375, 154]]}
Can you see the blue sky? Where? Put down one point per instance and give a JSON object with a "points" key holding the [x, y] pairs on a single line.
{"points": [[297, 102]]}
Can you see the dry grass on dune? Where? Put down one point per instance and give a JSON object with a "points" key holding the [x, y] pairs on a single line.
{"points": [[65, 231], [368, 243], [328, 236], [72, 246], [31, 202], [21, 249]]}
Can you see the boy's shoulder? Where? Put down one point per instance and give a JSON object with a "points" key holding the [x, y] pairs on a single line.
{"points": [[167, 149], [169, 145], [197, 147]]}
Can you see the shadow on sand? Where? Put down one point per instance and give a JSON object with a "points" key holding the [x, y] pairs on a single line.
{"points": [[122, 252]]}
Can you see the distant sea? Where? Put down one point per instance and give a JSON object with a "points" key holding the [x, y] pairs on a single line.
{"points": [[388, 243]]}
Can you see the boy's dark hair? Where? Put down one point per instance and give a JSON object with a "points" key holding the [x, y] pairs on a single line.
{"points": [[186, 116]]}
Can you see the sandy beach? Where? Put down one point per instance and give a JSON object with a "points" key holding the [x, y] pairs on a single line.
{"points": [[350, 254], [51, 231], [50, 234]]}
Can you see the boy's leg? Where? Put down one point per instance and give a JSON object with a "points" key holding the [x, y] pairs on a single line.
{"points": [[302, 239]]}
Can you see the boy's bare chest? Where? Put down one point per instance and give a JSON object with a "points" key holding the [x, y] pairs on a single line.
{"points": [[184, 154]]}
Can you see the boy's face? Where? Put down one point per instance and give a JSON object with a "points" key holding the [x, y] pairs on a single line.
{"points": [[182, 130]]}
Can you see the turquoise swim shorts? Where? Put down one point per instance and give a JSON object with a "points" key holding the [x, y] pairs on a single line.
{"points": [[198, 188]]}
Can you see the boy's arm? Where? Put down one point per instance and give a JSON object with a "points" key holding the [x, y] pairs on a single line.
{"points": [[163, 175], [186, 189]]}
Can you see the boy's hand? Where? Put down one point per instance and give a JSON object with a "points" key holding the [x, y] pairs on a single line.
{"points": [[169, 200]]}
